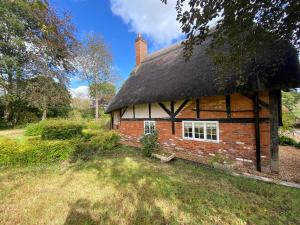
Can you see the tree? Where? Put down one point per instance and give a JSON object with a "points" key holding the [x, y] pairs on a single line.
{"points": [[34, 40], [95, 65], [241, 33], [106, 91], [290, 101], [44, 93]]}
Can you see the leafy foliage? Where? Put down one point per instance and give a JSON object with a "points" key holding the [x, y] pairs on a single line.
{"points": [[94, 64], [34, 40], [149, 143], [43, 93], [242, 33], [58, 130], [34, 151], [290, 102], [284, 140]]}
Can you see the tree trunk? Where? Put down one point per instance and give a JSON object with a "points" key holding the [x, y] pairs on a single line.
{"points": [[44, 114], [96, 105]]}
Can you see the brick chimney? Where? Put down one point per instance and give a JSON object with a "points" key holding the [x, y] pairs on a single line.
{"points": [[140, 49]]}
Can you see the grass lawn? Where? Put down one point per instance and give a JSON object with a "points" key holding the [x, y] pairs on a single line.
{"points": [[126, 188]]}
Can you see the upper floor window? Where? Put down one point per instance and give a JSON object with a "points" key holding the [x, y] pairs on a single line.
{"points": [[149, 127], [201, 130]]}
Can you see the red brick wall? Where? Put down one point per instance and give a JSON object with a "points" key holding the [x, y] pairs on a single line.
{"points": [[237, 140]]}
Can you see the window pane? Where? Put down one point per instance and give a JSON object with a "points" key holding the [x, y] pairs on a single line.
{"points": [[199, 130], [211, 131], [188, 130], [149, 127]]}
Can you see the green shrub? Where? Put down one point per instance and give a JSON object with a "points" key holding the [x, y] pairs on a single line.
{"points": [[284, 140], [34, 129], [34, 151], [10, 151], [61, 130], [107, 140], [149, 143], [94, 142]]}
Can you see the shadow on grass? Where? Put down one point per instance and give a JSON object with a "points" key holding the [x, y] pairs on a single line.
{"points": [[148, 192]]}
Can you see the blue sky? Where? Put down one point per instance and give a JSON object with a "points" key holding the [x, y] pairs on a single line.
{"points": [[119, 21]]}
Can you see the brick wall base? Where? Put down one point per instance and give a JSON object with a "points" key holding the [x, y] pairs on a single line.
{"points": [[237, 143]]}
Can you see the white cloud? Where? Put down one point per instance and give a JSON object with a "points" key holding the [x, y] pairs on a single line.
{"points": [[80, 92], [150, 17]]}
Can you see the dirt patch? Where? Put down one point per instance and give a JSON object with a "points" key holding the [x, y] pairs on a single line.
{"points": [[12, 133], [289, 163]]}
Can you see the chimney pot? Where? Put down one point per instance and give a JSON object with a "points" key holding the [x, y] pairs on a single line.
{"points": [[141, 49]]}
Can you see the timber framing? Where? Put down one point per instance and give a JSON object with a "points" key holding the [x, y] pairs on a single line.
{"points": [[228, 106], [172, 113], [133, 111], [221, 120], [257, 132], [260, 102], [198, 108], [122, 113], [149, 109]]}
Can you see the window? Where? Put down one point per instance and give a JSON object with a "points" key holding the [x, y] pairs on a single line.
{"points": [[149, 127], [204, 130]]}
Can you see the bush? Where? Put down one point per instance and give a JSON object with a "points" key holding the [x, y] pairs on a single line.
{"points": [[150, 144], [61, 130], [94, 142], [284, 140], [34, 129], [106, 140], [34, 151]]}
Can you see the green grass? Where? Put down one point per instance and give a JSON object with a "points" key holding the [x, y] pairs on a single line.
{"points": [[126, 188]]}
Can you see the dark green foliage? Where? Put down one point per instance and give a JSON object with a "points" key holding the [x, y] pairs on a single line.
{"points": [[95, 142], [34, 151], [248, 30], [284, 140], [149, 144], [59, 130]]}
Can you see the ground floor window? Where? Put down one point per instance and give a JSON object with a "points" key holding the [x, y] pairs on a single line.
{"points": [[201, 130], [149, 127]]}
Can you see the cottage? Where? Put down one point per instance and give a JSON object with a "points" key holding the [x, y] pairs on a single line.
{"points": [[194, 117]]}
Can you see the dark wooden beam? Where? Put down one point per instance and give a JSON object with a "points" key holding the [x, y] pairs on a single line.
{"points": [[221, 120], [279, 97], [124, 111], [112, 121], [275, 109], [149, 107], [133, 111], [228, 106], [181, 107], [198, 108], [260, 102], [165, 108], [257, 132], [173, 117], [217, 110]]}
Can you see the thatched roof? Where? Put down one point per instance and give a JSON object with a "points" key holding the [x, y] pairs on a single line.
{"points": [[166, 76]]}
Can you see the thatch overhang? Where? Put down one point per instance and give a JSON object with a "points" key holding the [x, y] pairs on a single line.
{"points": [[166, 76]]}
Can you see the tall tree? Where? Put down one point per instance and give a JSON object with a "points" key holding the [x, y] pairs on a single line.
{"points": [[43, 93], [34, 40], [106, 91], [244, 33], [95, 65]]}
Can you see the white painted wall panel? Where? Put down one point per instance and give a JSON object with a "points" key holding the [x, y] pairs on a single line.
{"points": [[141, 111], [158, 112], [129, 113], [116, 116]]}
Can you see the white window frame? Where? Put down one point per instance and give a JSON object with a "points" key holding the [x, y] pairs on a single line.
{"points": [[149, 121], [205, 131]]}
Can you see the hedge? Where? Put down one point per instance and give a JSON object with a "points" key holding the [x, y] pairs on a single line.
{"points": [[61, 131], [34, 151]]}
